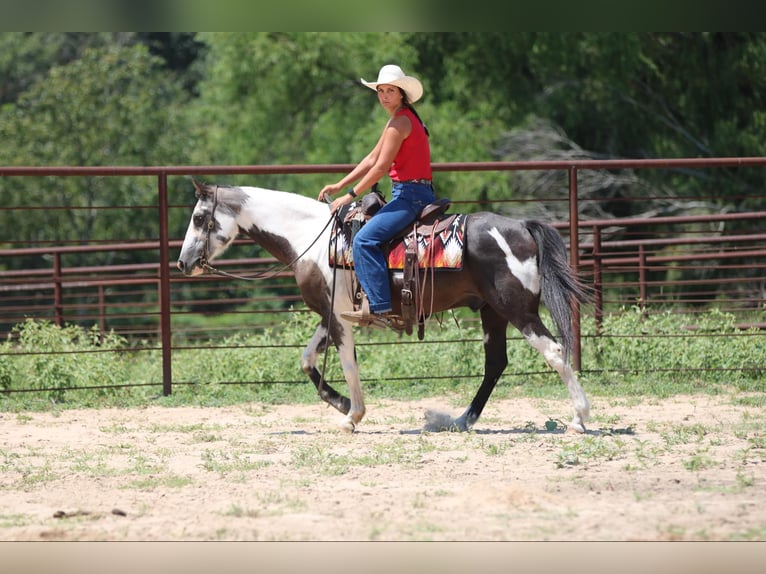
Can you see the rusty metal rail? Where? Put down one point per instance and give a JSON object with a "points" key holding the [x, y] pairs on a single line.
{"points": [[594, 258]]}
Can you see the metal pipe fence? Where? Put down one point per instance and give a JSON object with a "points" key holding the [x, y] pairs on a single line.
{"points": [[149, 300]]}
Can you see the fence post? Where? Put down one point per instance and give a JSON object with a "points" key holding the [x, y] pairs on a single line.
{"points": [[164, 294], [101, 312], [597, 284], [574, 260], [642, 278], [58, 297]]}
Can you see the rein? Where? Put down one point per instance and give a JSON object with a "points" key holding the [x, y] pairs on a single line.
{"points": [[268, 273], [272, 271]]}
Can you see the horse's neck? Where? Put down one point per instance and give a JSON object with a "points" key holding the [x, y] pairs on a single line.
{"points": [[284, 224]]}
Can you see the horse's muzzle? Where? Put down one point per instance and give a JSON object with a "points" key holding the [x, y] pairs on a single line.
{"points": [[189, 270]]}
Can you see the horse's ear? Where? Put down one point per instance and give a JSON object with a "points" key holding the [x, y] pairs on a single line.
{"points": [[200, 190]]}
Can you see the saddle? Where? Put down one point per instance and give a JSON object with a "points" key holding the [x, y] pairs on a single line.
{"points": [[422, 245], [372, 202]]}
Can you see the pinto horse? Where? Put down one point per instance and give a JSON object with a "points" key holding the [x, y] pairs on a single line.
{"points": [[509, 266]]}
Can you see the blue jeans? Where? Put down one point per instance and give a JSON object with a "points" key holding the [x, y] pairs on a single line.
{"points": [[408, 199]]}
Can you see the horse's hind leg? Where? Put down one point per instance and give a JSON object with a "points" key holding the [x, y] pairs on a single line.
{"points": [[542, 340]]}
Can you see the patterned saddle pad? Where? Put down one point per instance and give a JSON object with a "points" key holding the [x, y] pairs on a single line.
{"points": [[440, 245]]}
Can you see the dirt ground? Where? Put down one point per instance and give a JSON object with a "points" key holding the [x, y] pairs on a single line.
{"points": [[685, 468]]}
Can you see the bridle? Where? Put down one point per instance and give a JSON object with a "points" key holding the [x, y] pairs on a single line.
{"points": [[203, 260], [272, 271]]}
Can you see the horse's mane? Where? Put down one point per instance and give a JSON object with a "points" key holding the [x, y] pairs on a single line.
{"points": [[300, 204], [296, 201]]}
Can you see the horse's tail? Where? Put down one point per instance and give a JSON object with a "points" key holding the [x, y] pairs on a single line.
{"points": [[560, 286]]}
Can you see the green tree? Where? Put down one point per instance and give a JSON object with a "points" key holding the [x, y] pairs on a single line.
{"points": [[111, 106], [25, 58], [270, 98], [279, 98], [651, 95]]}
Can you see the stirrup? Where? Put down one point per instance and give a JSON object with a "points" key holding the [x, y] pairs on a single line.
{"points": [[361, 316], [365, 318]]}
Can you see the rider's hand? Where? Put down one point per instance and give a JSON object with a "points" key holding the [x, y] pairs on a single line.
{"points": [[344, 199], [328, 191]]}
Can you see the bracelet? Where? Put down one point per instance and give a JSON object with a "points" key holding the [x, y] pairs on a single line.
{"points": [[351, 192]]}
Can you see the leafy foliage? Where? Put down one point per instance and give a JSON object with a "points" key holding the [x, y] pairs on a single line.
{"points": [[294, 97], [660, 352], [111, 106], [291, 97], [635, 355], [51, 359]]}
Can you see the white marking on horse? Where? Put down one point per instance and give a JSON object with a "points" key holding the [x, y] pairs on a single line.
{"points": [[525, 271], [553, 354]]}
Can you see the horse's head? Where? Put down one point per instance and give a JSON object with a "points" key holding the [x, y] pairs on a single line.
{"points": [[213, 226]]}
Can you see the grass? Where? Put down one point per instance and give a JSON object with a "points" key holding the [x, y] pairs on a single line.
{"points": [[590, 449], [225, 462], [699, 461], [636, 355], [684, 434], [33, 477], [238, 512], [758, 533], [14, 520], [160, 482]]}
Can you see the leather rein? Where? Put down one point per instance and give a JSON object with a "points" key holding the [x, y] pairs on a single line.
{"points": [[266, 274], [271, 272]]}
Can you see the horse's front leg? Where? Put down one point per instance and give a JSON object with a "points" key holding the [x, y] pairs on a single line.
{"points": [[317, 345], [344, 336], [353, 408]]}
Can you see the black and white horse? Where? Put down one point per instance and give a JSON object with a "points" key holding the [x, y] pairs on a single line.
{"points": [[509, 266]]}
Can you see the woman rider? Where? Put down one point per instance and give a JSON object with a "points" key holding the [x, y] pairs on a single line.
{"points": [[403, 152]]}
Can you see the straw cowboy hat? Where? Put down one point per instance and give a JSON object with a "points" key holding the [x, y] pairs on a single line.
{"points": [[393, 75]]}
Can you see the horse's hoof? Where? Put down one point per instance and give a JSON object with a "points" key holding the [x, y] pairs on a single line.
{"points": [[348, 426], [575, 428], [442, 422]]}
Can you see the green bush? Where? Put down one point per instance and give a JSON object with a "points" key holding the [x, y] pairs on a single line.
{"points": [[636, 353], [52, 359], [666, 353]]}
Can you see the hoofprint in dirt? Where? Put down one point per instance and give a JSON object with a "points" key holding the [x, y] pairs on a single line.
{"points": [[685, 468]]}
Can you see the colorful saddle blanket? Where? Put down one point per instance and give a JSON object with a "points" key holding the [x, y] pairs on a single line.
{"points": [[440, 245]]}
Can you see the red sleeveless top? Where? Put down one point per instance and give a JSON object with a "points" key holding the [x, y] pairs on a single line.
{"points": [[413, 160]]}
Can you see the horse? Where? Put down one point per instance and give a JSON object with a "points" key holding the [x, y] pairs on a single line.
{"points": [[509, 267]]}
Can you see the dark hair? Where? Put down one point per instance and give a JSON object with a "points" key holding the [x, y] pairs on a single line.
{"points": [[406, 102]]}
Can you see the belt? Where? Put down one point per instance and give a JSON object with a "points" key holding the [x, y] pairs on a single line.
{"points": [[418, 181]]}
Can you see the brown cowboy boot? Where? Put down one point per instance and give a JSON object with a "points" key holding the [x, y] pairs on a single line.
{"points": [[365, 318]]}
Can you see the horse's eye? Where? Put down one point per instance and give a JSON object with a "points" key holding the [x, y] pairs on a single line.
{"points": [[199, 220]]}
